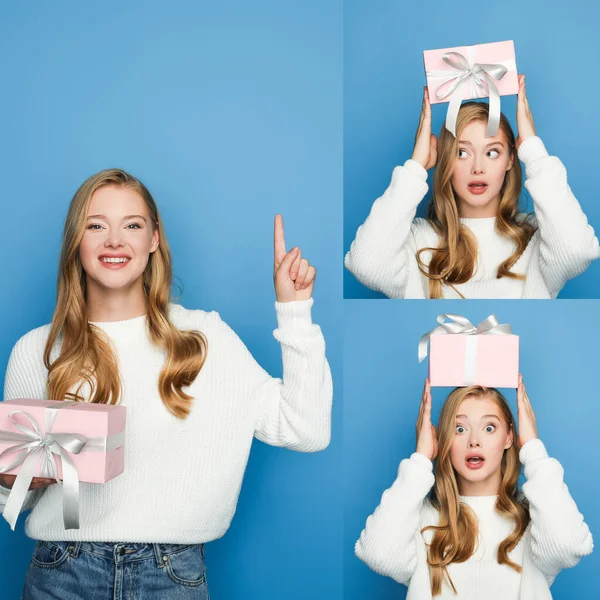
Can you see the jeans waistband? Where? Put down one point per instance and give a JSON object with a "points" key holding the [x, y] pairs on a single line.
{"points": [[126, 551]]}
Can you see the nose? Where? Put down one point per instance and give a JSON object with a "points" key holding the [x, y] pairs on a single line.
{"points": [[474, 442], [477, 166], [114, 239]]}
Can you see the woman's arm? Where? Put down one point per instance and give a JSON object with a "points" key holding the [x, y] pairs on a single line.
{"points": [[388, 543], [568, 243], [383, 249], [293, 411], [559, 535]]}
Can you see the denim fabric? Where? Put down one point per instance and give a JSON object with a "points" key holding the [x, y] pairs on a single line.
{"points": [[116, 571]]}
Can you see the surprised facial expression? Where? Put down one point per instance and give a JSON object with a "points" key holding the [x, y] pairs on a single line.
{"points": [[480, 439], [480, 169]]}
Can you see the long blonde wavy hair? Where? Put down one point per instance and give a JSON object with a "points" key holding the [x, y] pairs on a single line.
{"points": [[455, 537], [453, 261], [85, 353]]}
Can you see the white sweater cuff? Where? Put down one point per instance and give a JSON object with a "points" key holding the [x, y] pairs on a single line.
{"points": [[532, 450], [532, 149], [294, 315], [417, 168], [422, 460]]}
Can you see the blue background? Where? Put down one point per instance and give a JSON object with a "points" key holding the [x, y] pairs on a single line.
{"points": [[229, 112], [555, 43], [383, 384]]}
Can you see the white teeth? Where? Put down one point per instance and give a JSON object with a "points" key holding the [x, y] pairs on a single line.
{"points": [[114, 260]]}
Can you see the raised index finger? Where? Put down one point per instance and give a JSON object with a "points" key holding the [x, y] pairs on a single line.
{"points": [[279, 241]]}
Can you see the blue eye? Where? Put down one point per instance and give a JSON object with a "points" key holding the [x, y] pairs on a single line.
{"points": [[490, 428], [136, 224], [460, 429]]}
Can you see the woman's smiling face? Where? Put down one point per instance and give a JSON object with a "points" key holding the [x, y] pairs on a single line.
{"points": [[118, 228], [479, 170]]}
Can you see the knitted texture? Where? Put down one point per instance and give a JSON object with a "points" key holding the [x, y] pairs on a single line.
{"points": [[556, 538], [182, 478], [383, 253]]}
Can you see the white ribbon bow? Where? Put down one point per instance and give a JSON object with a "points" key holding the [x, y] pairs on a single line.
{"points": [[480, 78], [34, 446], [460, 324]]}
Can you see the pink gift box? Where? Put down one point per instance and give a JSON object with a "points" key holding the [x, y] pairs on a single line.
{"points": [[459, 359], [494, 53], [90, 420]]}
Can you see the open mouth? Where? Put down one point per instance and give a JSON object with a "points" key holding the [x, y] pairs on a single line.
{"points": [[475, 462], [114, 263], [477, 187]]}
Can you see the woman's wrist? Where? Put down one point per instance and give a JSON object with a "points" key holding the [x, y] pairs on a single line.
{"points": [[531, 149], [416, 167], [296, 314]]}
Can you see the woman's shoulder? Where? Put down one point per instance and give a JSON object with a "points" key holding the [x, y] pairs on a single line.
{"points": [[194, 318], [34, 340], [27, 354]]}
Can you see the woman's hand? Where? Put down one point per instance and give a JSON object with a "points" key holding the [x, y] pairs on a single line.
{"points": [[37, 482], [294, 276], [526, 416], [426, 435], [524, 117], [425, 150]]}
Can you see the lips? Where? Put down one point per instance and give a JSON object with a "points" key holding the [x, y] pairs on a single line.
{"points": [[477, 187], [475, 461]]}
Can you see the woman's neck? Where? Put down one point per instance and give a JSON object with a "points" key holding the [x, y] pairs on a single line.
{"points": [[116, 305], [467, 211], [487, 487]]}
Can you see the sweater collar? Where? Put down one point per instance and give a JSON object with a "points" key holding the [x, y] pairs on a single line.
{"points": [[125, 329], [480, 504]]}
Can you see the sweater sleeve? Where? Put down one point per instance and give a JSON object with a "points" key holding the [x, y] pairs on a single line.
{"points": [[568, 243], [293, 411], [388, 543], [25, 379], [380, 255], [559, 535]]}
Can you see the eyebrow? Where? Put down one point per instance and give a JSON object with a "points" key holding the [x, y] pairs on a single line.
{"points": [[487, 146], [124, 218], [484, 417]]}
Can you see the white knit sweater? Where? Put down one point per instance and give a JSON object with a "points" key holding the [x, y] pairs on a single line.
{"points": [[383, 254], [556, 537], [182, 478]]}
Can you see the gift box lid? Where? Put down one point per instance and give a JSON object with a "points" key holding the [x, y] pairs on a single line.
{"points": [[108, 419]]}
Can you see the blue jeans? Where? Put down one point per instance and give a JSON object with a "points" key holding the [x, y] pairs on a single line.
{"points": [[121, 571]]}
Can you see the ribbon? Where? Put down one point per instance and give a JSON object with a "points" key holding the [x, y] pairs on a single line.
{"points": [[460, 324], [480, 77], [49, 447]]}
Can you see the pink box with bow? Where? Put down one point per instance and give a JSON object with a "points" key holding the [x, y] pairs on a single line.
{"points": [[438, 70], [461, 354], [100, 459], [467, 72]]}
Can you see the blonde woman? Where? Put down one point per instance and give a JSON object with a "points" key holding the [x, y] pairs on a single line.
{"points": [[475, 242], [195, 399], [475, 537]]}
